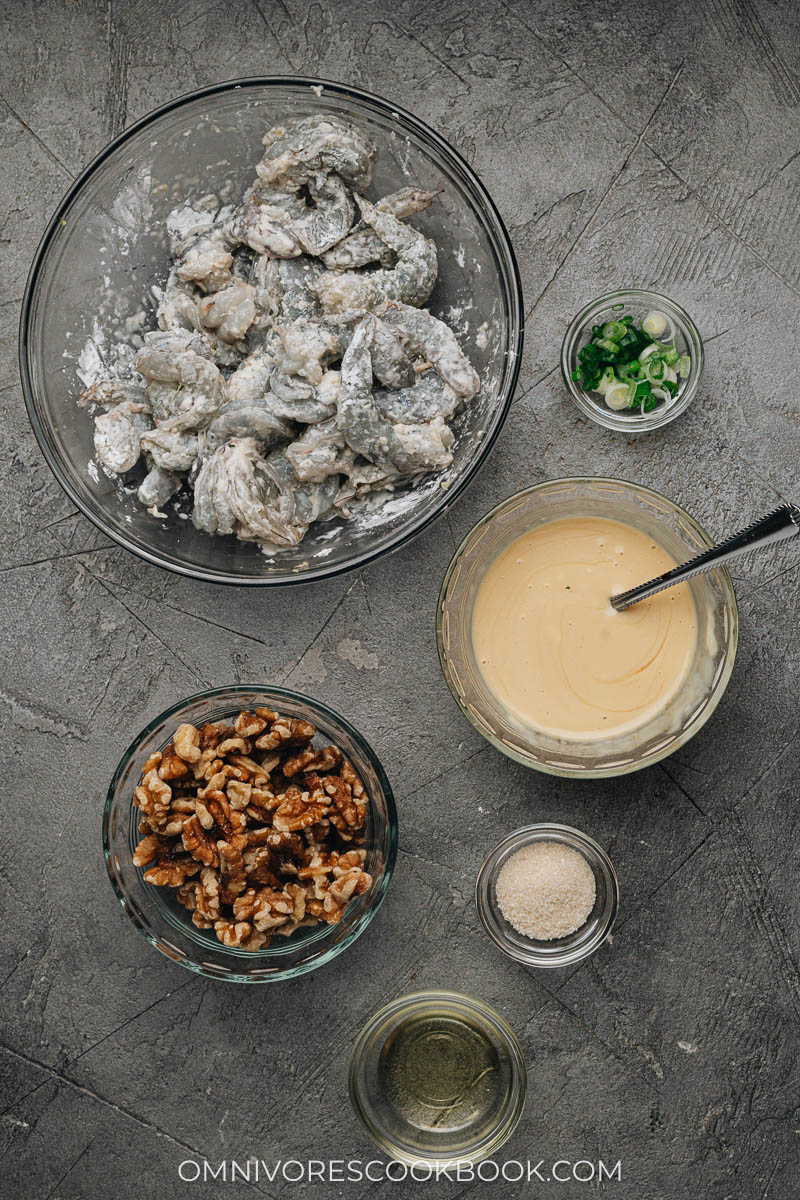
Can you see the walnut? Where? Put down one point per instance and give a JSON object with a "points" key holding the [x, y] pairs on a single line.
{"points": [[209, 737], [171, 869], [285, 731], [288, 845], [153, 797], [215, 783], [348, 813], [351, 883], [351, 776], [249, 725], [247, 849], [260, 867], [297, 810], [232, 873], [251, 770], [319, 864], [207, 899], [175, 821], [199, 842], [151, 762], [201, 767], [186, 741], [238, 794], [345, 862], [310, 759], [265, 908], [187, 894], [237, 745], [233, 933], [148, 849], [172, 765], [214, 812]]}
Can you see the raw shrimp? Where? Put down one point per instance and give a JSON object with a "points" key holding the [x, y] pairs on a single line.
{"points": [[435, 342], [297, 504], [391, 362], [252, 419], [229, 312], [201, 247], [408, 447], [430, 397], [185, 389], [174, 451], [363, 245], [297, 150], [307, 347], [157, 487], [110, 392], [331, 216], [284, 287], [361, 424], [264, 228], [117, 436], [410, 281], [178, 306], [238, 491], [320, 452], [284, 384]]}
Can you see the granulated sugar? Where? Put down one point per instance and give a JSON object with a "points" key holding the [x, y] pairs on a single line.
{"points": [[546, 890]]}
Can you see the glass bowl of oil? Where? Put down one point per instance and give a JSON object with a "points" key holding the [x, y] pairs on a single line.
{"points": [[438, 1077]]}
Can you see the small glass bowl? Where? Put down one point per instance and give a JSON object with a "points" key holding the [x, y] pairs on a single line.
{"points": [[715, 607], [429, 1140], [610, 308], [560, 952], [166, 924]]}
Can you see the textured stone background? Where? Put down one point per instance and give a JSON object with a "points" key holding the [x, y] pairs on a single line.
{"points": [[646, 143]]}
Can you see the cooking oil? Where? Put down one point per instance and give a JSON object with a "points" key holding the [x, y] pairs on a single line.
{"points": [[442, 1073]]}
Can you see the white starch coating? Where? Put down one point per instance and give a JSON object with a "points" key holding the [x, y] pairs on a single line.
{"points": [[546, 890]]}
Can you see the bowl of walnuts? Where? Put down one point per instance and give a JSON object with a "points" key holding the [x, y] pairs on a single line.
{"points": [[250, 833]]}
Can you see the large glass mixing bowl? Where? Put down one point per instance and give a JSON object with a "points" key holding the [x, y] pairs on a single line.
{"points": [[106, 248]]}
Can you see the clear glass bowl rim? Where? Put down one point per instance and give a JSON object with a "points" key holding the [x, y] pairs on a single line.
{"points": [[516, 322], [610, 419], [722, 682], [462, 1003], [527, 835], [367, 916]]}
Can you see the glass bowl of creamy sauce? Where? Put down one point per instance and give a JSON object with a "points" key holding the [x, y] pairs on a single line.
{"points": [[541, 663]]}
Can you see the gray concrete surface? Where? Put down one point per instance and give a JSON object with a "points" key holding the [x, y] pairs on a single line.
{"points": [[655, 144]]}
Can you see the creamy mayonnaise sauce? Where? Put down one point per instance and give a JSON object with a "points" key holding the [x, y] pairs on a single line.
{"points": [[553, 650]]}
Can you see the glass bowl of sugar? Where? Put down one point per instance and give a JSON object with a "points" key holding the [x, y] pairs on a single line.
{"points": [[547, 895]]}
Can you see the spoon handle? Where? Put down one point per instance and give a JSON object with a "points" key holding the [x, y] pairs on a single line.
{"points": [[783, 523]]}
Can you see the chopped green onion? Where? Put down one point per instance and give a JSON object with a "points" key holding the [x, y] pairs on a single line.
{"points": [[618, 396], [614, 330], [654, 324], [606, 380], [630, 366]]}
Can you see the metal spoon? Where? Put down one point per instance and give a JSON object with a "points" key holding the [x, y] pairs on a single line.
{"points": [[783, 523]]}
